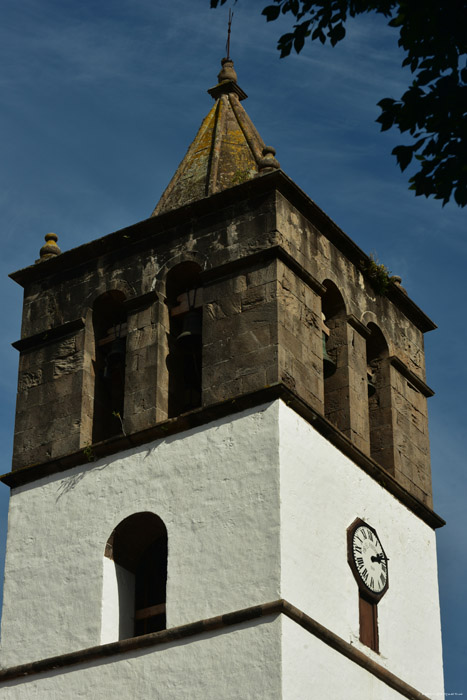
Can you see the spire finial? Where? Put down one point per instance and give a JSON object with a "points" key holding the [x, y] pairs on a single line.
{"points": [[227, 71], [268, 162], [227, 46], [50, 249]]}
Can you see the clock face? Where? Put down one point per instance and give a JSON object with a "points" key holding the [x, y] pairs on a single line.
{"points": [[369, 558]]}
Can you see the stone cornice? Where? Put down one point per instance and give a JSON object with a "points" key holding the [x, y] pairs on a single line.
{"points": [[49, 336], [202, 627], [140, 302], [358, 326], [202, 416], [418, 383], [276, 252], [164, 225]]}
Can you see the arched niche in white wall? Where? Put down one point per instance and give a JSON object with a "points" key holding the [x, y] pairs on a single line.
{"points": [[134, 578]]}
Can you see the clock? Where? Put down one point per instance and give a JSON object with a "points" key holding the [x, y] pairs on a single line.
{"points": [[367, 559]]}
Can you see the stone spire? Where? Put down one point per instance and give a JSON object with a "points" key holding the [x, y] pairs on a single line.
{"points": [[227, 149]]}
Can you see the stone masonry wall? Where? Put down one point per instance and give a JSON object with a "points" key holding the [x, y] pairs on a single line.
{"points": [[261, 325], [406, 450]]}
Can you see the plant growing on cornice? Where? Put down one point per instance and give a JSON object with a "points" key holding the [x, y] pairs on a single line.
{"points": [[240, 176], [377, 274], [88, 453], [117, 415]]}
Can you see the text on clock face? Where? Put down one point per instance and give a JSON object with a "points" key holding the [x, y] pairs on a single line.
{"points": [[370, 559]]}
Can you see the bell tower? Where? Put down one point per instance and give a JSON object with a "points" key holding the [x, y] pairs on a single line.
{"points": [[221, 474]]}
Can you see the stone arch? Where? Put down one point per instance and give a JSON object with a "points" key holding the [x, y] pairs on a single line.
{"points": [[135, 578], [189, 256], [335, 356], [369, 317]]}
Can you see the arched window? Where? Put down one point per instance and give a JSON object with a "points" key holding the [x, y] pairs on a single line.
{"points": [[335, 357], [135, 578], [184, 361], [109, 325], [379, 399]]}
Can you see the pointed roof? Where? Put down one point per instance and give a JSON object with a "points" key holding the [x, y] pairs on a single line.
{"points": [[227, 149]]}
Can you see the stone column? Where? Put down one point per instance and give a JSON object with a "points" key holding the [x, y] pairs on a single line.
{"points": [[141, 372], [240, 341], [49, 400], [412, 449], [300, 337]]}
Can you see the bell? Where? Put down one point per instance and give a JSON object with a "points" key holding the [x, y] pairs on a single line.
{"points": [[329, 366], [115, 357], [190, 337], [371, 384]]}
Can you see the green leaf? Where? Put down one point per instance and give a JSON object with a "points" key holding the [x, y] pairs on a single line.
{"points": [[294, 7], [403, 155], [271, 12], [299, 42], [285, 44], [337, 33], [386, 103], [316, 33]]}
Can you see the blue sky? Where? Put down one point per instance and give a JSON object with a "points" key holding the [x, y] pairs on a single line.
{"points": [[100, 102]]}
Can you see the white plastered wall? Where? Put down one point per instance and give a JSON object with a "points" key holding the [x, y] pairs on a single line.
{"points": [[215, 488], [256, 507], [240, 663], [312, 670], [322, 492], [118, 602]]}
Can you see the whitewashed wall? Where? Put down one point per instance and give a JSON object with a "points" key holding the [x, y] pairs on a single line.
{"points": [[313, 671], [241, 664], [215, 488], [322, 492], [256, 508]]}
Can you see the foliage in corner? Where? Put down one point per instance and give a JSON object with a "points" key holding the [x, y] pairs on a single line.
{"points": [[88, 453], [117, 415], [433, 110], [241, 176], [378, 274]]}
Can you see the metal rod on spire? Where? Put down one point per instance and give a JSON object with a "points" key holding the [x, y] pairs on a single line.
{"points": [[227, 46]]}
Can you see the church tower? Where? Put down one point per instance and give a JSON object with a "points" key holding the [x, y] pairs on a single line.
{"points": [[221, 477]]}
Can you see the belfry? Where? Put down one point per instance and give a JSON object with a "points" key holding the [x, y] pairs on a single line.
{"points": [[221, 481]]}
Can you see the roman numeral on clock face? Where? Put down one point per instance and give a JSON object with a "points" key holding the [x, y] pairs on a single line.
{"points": [[370, 563]]}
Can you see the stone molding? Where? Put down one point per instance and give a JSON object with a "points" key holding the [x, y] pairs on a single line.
{"points": [[358, 326], [276, 252], [139, 302], [202, 416], [50, 336], [226, 87], [200, 627], [164, 225], [418, 383]]}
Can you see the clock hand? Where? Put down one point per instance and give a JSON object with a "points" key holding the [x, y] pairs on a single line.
{"points": [[378, 558]]}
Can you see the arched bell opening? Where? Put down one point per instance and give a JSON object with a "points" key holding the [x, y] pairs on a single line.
{"points": [[184, 361], [110, 329], [335, 357], [379, 398], [135, 578]]}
